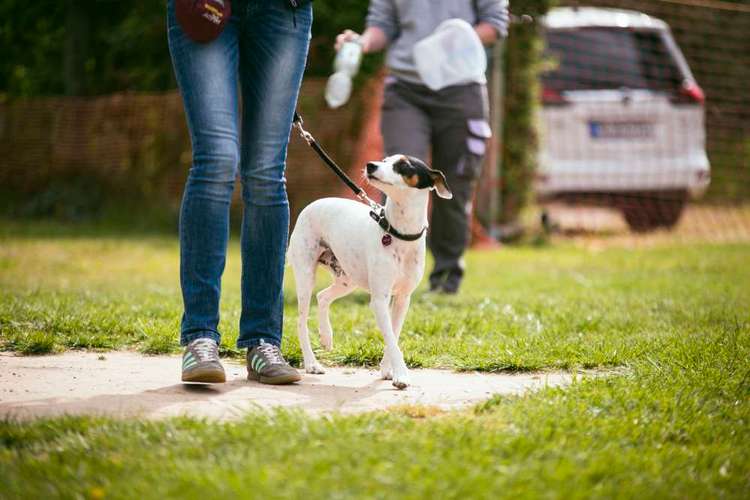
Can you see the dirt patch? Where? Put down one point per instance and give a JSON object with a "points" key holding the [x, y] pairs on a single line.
{"points": [[126, 384]]}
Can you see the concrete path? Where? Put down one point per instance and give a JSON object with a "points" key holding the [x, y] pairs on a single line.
{"points": [[132, 385]]}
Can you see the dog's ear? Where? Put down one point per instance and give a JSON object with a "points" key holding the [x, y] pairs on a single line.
{"points": [[416, 162], [440, 184]]}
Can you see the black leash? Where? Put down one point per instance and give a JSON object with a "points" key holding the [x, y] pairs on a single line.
{"points": [[377, 211], [328, 161]]}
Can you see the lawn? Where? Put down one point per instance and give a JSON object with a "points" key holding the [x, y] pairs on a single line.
{"points": [[674, 421]]}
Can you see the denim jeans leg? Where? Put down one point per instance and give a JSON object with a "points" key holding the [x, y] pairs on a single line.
{"points": [[207, 77], [273, 51]]}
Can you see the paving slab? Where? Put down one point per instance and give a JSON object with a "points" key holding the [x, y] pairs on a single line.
{"points": [[128, 384]]}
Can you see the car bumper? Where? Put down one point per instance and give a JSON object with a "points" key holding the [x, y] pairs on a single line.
{"points": [[558, 177]]}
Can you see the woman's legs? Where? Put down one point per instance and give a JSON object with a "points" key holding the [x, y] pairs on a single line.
{"points": [[207, 77], [273, 51]]}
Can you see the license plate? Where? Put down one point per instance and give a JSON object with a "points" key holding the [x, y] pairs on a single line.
{"points": [[621, 130]]}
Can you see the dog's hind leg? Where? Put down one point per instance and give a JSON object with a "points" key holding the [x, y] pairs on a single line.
{"points": [[399, 307], [337, 290], [304, 276]]}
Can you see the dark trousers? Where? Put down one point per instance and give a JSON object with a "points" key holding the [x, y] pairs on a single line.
{"points": [[449, 126]]}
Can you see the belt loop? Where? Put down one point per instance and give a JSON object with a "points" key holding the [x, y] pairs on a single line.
{"points": [[294, 4]]}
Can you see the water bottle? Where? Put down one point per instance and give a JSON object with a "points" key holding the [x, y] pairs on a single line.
{"points": [[346, 65]]}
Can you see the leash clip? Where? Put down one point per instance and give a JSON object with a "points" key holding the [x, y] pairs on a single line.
{"points": [[307, 136], [375, 207]]}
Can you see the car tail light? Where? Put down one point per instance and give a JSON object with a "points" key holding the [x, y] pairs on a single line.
{"points": [[552, 97], [690, 93]]}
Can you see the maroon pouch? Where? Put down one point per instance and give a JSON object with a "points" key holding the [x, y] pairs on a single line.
{"points": [[203, 20]]}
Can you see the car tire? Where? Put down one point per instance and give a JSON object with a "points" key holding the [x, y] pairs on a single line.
{"points": [[648, 211]]}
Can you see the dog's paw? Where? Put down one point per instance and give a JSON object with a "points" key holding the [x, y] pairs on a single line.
{"points": [[315, 368], [401, 383], [401, 377]]}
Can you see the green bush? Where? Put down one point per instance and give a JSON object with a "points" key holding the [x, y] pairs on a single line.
{"points": [[520, 140], [121, 46]]}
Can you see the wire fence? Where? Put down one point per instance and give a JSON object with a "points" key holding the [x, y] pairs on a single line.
{"points": [[644, 131], [68, 157]]}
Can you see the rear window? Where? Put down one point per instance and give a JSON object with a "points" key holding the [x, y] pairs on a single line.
{"points": [[609, 58]]}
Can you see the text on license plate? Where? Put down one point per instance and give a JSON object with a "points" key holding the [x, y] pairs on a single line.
{"points": [[620, 130]]}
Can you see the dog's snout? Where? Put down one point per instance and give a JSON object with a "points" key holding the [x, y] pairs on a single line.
{"points": [[371, 168]]}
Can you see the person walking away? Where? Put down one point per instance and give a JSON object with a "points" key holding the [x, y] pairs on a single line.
{"points": [[449, 124]]}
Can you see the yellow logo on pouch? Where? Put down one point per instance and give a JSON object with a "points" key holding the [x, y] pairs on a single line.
{"points": [[213, 9]]}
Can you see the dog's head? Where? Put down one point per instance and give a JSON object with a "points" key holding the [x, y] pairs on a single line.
{"points": [[396, 174]]}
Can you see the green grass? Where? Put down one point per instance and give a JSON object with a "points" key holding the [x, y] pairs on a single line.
{"points": [[675, 423], [676, 426], [522, 308]]}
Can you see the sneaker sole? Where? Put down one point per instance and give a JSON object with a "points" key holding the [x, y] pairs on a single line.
{"points": [[278, 380], [205, 376]]}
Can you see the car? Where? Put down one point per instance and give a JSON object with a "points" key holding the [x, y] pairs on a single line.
{"points": [[622, 117]]}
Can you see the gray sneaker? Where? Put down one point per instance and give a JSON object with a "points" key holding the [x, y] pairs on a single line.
{"points": [[266, 365], [200, 362]]}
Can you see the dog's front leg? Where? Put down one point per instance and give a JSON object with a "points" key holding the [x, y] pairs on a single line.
{"points": [[379, 306], [398, 314]]}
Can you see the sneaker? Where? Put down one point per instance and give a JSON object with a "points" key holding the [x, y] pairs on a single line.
{"points": [[447, 287], [436, 281], [200, 362], [446, 283], [451, 284], [266, 365]]}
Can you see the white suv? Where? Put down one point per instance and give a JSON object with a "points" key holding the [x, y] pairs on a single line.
{"points": [[622, 117]]}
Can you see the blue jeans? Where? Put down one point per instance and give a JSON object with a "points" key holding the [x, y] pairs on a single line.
{"points": [[263, 49]]}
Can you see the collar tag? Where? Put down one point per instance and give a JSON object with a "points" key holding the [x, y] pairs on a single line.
{"points": [[386, 240]]}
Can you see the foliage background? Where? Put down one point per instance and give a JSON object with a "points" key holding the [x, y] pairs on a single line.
{"points": [[94, 48], [116, 46]]}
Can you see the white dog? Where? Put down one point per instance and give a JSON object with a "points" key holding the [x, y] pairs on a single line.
{"points": [[384, 256]]}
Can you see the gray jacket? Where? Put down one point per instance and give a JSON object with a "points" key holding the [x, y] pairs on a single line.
{"points": [[405, 22]]}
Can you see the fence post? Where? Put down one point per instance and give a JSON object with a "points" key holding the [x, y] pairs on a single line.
{"points": [[497, 90]]}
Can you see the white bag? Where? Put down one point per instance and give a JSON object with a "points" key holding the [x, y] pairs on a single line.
{"points": [[452, 54]]}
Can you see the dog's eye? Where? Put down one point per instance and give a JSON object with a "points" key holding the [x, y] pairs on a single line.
{"points": [[404, 168]]}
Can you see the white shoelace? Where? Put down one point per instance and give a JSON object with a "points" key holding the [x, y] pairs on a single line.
{"points": [[206, 350], [272, 352]]}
